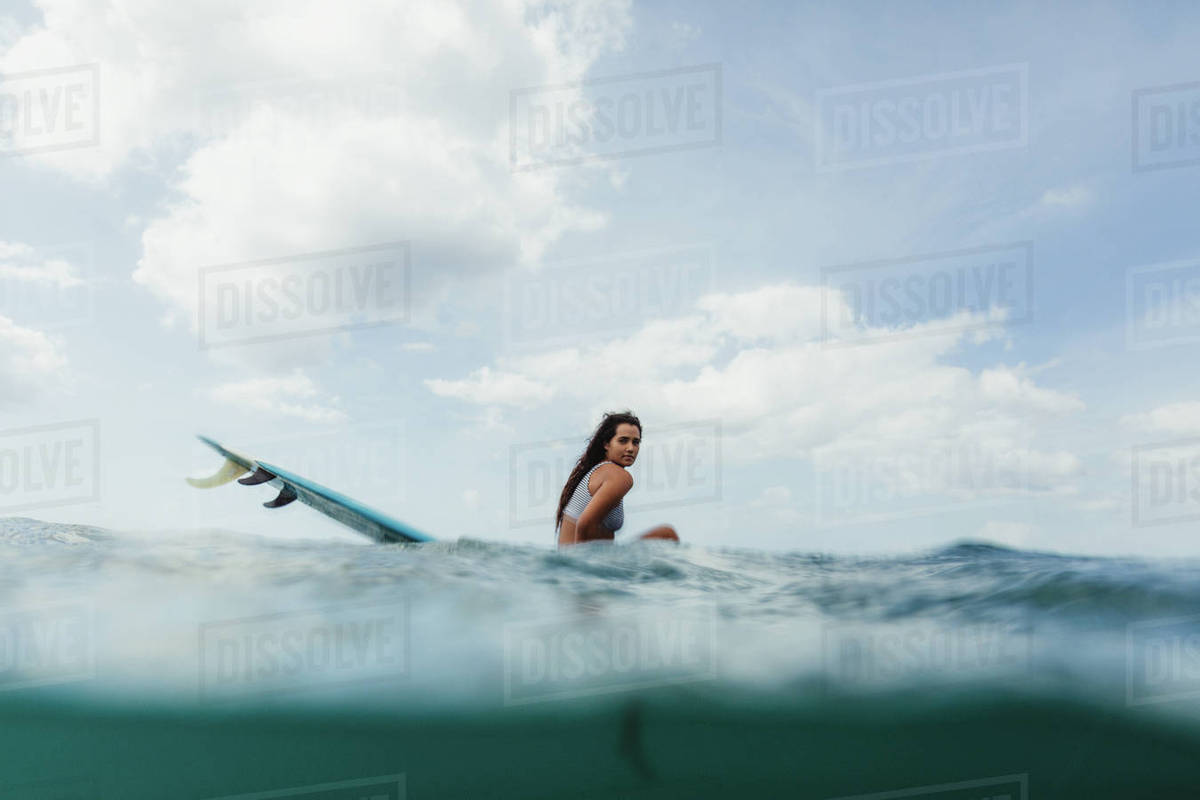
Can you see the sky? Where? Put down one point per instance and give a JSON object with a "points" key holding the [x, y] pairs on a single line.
{"points": [[876, 277]]}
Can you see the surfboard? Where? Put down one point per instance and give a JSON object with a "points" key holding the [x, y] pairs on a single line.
{"points": [[355, 515]]}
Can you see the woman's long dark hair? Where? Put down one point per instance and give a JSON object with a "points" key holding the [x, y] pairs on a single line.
{"points": [[593, 455]]}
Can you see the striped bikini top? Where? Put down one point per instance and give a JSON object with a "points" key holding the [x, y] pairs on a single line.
{"points": [[579, 500]]}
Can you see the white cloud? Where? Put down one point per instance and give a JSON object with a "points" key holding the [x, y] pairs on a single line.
{"points": [[21, 262], [289, 395], [1008, 386], [778, 314], [1053, 202], [304, 127], [754, 360], [167, 73], [487, 388], [371, 182], [1177, 419], [30, 363]]}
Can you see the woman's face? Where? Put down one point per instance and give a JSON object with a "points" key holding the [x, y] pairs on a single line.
{"points": [[623, 448]]}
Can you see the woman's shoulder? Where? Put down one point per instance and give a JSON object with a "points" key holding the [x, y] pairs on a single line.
{"points": [[613, 470]]}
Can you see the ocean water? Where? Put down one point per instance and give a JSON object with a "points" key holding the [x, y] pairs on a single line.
{"points": [[218, 664]]}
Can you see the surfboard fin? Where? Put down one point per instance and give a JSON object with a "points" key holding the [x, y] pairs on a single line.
{"points": [[260, 476], [335, 505], [228, 471], [286, 495]]}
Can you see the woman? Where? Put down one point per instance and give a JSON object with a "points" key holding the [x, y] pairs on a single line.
{"points": [[592, 503]]}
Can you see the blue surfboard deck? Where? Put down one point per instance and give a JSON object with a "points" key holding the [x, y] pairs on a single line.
{"points": [[355, 515]]}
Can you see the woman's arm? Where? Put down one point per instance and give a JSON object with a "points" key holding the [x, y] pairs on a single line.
{"points": [[615, 483]]}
